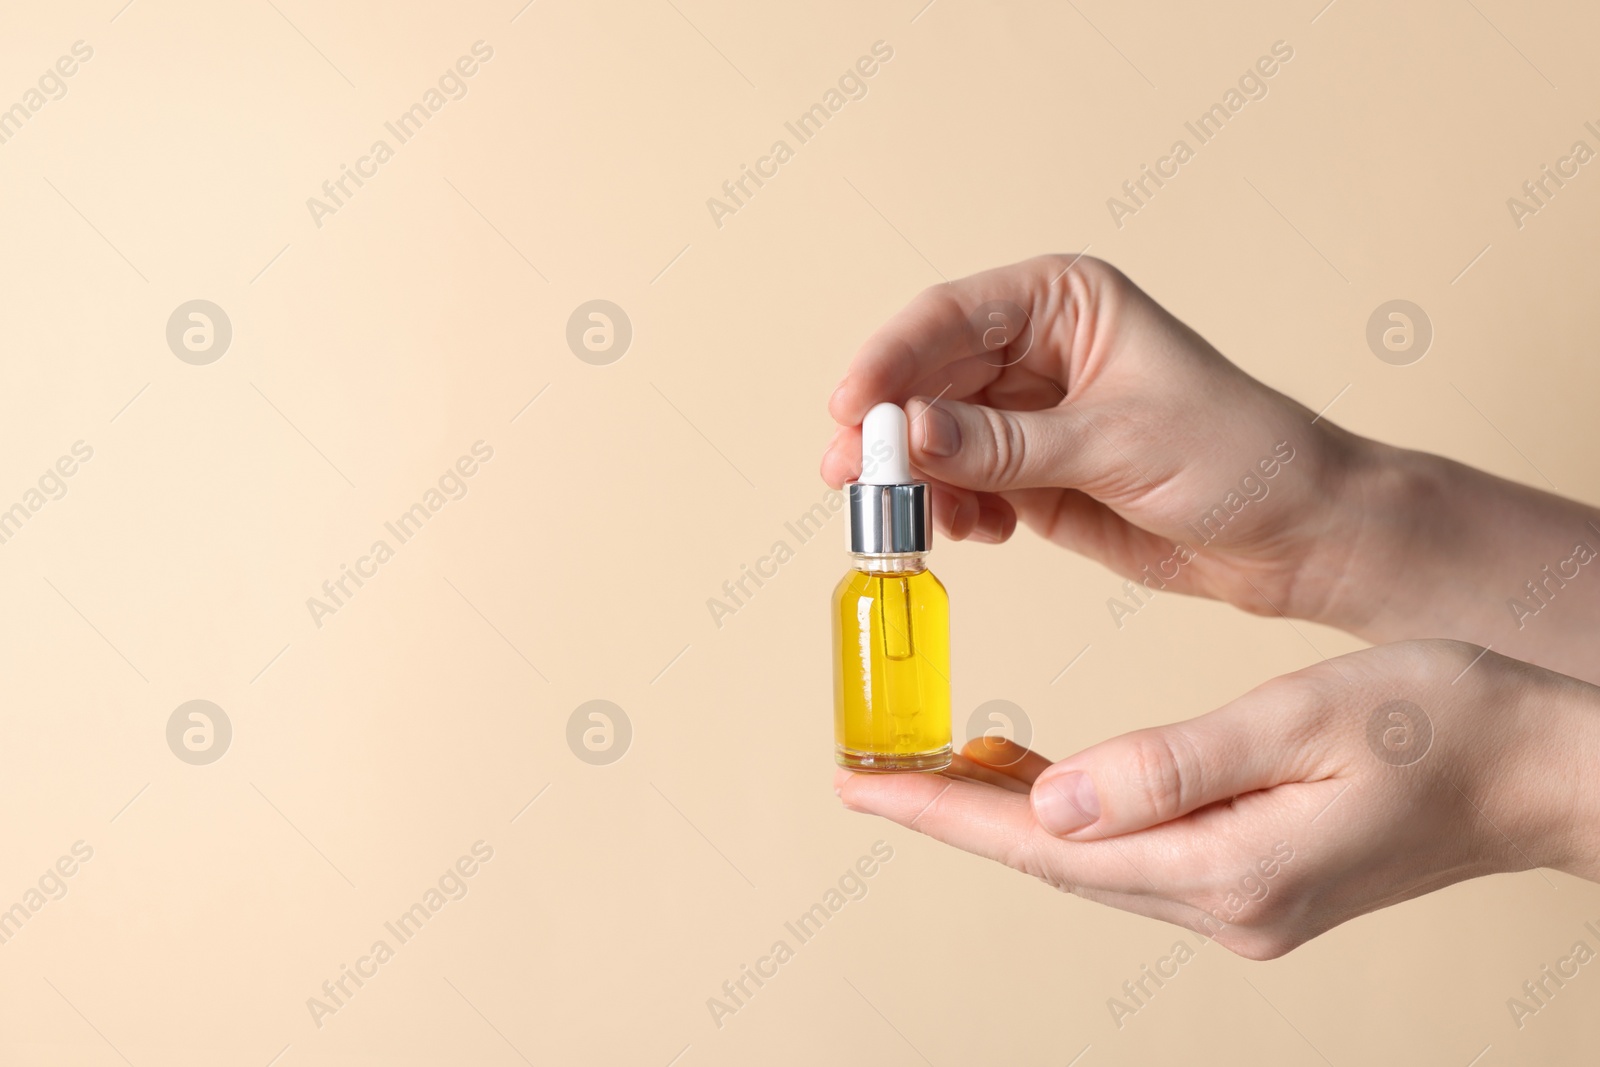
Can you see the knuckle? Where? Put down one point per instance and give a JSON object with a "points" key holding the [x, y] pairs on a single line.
{"points": [[1447, 658], [1259, 945], [1162, 772], [1303, 705], [1030, 857], [1008, 456], [939, 303], [1071, 268], [1306, 708], [1300, 692]]}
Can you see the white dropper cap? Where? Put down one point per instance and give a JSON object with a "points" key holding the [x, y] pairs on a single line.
{"points": [[885, 446], [890, 514]]}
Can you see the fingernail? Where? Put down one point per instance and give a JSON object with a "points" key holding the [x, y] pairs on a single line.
{"points": [[936, 432], [960, 528], [1066, 802], [990, 528]]}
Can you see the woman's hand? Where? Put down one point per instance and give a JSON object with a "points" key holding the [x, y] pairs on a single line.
{"points": [[1113, 429], [1317, 797]]}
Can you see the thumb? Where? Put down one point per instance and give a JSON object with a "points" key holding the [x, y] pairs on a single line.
{"points": [[1153, 776], [992, 449]]}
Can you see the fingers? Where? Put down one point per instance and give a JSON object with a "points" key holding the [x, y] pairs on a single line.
{"points": [[957, 513], [975, 771], [991, 760], [993, 450], [998, 824], [1153, 776], [961, 514], [936, 331], [975, 447], [961, 769], [841, 460], [989, 822], [994, 519], [1006, 757]]}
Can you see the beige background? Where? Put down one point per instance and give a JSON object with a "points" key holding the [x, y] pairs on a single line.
{"points": [[368, 354]]}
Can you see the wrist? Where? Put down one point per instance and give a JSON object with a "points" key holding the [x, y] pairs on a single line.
{"points": [[1414, 526], [1368, 541], [1545, 799]]}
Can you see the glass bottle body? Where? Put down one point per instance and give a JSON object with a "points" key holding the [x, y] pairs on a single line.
{"points": [[891, 630]]}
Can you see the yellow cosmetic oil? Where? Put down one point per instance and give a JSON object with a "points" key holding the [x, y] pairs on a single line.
{"points": [[891, 617]]}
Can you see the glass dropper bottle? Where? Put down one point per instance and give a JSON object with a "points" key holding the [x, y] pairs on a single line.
{"points": [[891, 616]]}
